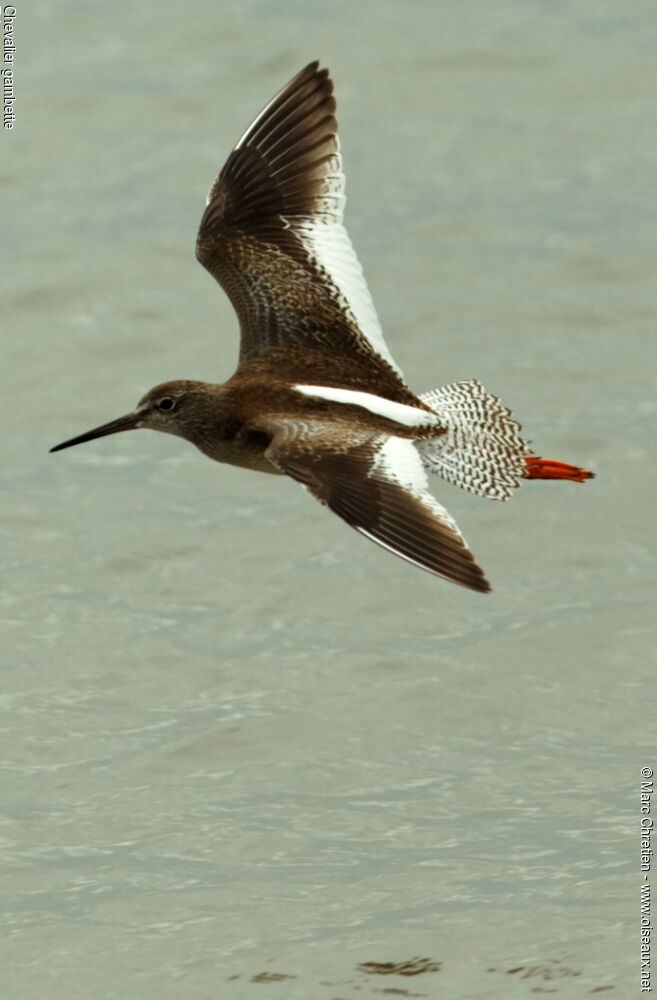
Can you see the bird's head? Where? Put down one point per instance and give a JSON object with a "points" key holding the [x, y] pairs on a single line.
{"points": [[172, 407]]}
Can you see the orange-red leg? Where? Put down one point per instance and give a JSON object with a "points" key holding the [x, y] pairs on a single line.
{"points": [[545, 468]]}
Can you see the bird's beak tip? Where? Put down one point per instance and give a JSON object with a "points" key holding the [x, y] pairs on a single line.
{"points": [[127, 423]]}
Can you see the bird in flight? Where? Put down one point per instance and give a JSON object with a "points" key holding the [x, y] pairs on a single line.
{"points": [[317, 395]]}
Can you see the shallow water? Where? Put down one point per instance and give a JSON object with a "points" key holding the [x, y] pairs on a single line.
{"points": [[245, 751]]}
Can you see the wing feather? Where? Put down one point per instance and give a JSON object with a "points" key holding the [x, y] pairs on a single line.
{"points": [[272, 232], [377, 484]]}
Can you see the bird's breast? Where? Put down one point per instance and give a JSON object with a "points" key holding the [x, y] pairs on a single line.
{"points": [[247, 451]]}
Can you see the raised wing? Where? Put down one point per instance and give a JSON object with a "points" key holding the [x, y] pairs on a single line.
{"points": [[272, 232], [377, 484]]}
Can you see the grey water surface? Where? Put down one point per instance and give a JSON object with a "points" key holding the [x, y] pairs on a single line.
{"points": [[246, 753]]}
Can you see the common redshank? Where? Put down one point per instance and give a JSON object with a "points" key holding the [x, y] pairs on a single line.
{"points": [[317, 395]]}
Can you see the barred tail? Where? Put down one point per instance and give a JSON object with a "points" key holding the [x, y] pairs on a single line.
{"points": [[482, 450]]}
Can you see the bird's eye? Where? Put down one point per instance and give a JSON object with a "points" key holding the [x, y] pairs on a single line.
{"points": [[166, 403]]}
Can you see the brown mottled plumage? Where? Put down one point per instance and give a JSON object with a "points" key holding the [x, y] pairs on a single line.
{"points": [[317, 395]]}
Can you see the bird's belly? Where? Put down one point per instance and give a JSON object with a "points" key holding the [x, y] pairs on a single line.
{"points": [[232, 452]]}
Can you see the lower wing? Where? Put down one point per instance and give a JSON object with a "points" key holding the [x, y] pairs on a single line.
{"points": [[377, 484]]}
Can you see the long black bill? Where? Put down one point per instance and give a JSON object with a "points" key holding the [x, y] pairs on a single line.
{"points": [[127, 423]]}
